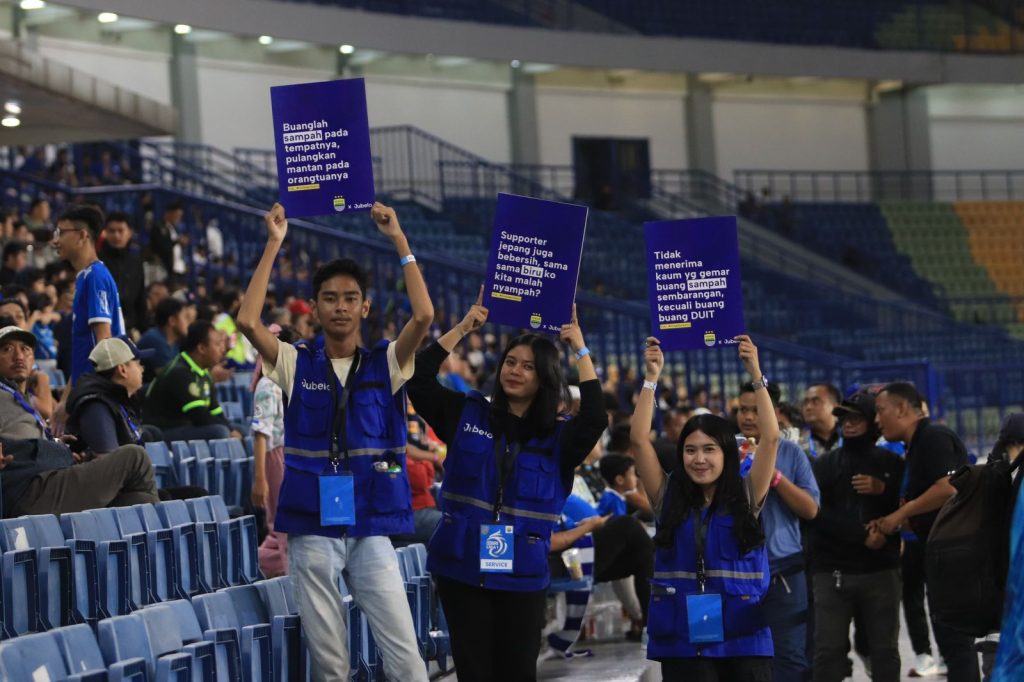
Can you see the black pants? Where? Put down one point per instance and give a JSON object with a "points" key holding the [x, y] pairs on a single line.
{"points": [[738, 669], [959, 653], [912, 565], [495, 634], [622, 548], [875, 597]]}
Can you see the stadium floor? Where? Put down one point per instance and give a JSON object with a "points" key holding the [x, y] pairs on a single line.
{"points": [[625, 662]]}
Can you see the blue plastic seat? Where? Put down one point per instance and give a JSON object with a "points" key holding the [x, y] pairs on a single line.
{"points": [[38, 657], [186, 549], [239, 548], [84, 592], [82, 656], [192, 469], [19, 580], [122, 585], [163, 464], [123, 638], [174, 514], [238, 470], [289, 655], [221, 624], [168, 627], [158, 546]]}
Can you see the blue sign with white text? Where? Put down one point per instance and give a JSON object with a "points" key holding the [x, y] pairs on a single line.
{"points": [[322, 137], [534, 263], [694, 285]]}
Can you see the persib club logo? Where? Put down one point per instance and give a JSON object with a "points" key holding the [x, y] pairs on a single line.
{"points": [[709, 339], [497, 546], [535, 321], [339, 204]]}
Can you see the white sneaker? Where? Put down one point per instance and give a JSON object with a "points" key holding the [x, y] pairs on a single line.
{"points": [[926, 666], [941, 669]]}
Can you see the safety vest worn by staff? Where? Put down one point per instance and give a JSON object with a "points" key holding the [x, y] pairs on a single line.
{"points": [[532, 498], [741, 579], [372, 447]]}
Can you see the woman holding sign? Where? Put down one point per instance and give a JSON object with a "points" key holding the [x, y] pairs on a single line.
{"points": [[508, 473], [711, 565]]}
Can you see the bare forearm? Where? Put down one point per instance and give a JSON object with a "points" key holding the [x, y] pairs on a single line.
{"points": [[259, 456], [565, 539], [647, 466], [930, 500], [256, 294], [452, 338], [797, 499]]}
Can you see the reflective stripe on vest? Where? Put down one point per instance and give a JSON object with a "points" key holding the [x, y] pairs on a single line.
{"points": [[512, 511], [361, 452], [712, 573]]}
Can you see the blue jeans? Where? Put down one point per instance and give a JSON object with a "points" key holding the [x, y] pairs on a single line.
{"points": [[370, 568], [785, 609]]}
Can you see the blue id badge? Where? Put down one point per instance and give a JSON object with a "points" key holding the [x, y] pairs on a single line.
{"points": [[704, 616], [337, 500], [496, 547]]}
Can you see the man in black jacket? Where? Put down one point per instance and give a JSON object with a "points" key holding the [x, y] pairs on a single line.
{"points": [[856, 567], [124, 260]]}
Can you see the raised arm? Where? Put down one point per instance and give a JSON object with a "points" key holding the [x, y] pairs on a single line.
{"points": [[474, 319], [763, 470], [249, 315], [572, 336], [415, 329], [647, 466]]}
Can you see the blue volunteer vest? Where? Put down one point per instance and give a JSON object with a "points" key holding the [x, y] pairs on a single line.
{"points": [[375, 439], [741, 579], [532, 503]]}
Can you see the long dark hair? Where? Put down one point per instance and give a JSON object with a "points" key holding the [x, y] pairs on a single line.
{"points": [[552, 391], [684, 496]]}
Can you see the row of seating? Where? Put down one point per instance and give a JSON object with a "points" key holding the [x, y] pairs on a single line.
{"points": [[248, 632], [85, 566], [224, 467]]}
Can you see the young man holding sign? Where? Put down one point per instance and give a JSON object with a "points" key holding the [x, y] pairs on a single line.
{"points": [[345, 488]]}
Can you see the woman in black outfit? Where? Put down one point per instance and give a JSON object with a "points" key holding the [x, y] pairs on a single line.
{"points": [[508, 473]]}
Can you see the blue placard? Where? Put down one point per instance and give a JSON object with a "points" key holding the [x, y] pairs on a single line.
{"points": [[704, 618], [497, 548], [693, 280], [337, 500], [534, 263], [322, 137]]}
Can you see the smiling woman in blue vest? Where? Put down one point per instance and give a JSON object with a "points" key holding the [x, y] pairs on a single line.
{"points": [[508, 473], [711, 565]]}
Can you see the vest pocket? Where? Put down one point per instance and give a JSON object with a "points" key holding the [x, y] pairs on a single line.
{"points": [[315, 417], [537, 477], [299, 492], [391, 492], [449, 538], [370, 409], [531, 554], [663, 612]]}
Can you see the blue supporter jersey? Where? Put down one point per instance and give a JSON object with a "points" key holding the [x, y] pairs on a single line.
{"points": [[611, 503], [576, 509], [96, 300], [781, 525]]}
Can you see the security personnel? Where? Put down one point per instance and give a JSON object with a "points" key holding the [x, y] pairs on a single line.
{"points": [[711, 565], [507, 475], [345, 488], [181, 400]]}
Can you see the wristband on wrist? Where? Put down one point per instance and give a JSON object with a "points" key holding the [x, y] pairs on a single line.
{"points": [[582, 353], [760, 383], [408, 259], [651, 385], [776, 479]]}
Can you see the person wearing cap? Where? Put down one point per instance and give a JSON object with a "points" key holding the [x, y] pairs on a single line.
{"points": [[96, 312], [792, 496], [101, 412], [41, 475], [855, 568], [181, 400], [933, 452], [172, 319], [301, 319]]}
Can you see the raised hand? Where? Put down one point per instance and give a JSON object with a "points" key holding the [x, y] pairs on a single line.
{"points": [[476, 317], [571, 334], [277, 223], [748, 354], [654, 359], [386, 220]]}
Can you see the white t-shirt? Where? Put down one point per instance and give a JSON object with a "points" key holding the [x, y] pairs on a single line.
{"points": [[283, 373]]}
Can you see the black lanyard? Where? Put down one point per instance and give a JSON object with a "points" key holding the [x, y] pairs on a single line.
{"points": [[339, 425], [700, 536], [505, 462]]}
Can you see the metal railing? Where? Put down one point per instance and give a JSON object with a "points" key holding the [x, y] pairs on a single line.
{"points": [[868, 186]]}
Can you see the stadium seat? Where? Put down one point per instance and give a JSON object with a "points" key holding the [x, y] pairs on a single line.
{"points": [[238, 470], [159, 547], [252, 643], [38, 658], [192, 468], [123, 638], [122, 579], [186, 548], [168, 628], [163, 464], [285, 630], [175, 513], [238, 540], [20, 586], [82, 657]]}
